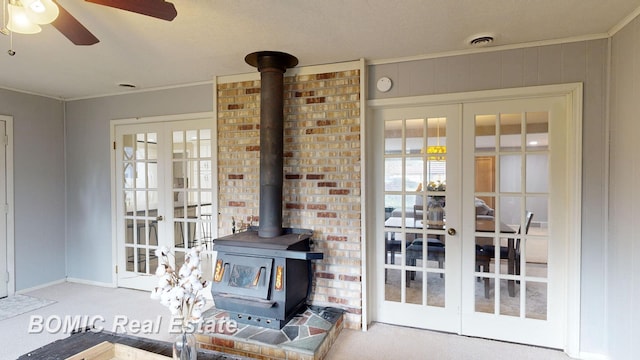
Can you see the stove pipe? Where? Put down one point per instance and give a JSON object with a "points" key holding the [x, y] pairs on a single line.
{"points": [[272, 65]]}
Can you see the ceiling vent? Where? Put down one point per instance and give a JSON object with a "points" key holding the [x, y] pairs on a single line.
{"points": [[481, 41]]}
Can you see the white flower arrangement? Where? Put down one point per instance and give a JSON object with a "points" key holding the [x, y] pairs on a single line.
{"points": [[180, 291]]}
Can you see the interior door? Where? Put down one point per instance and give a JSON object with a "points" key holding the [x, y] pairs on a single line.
{"points": [[164, 196], [515, 186], [418, 261]]}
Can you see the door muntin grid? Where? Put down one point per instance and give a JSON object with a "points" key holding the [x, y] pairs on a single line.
{"points": [[140, 200], [512, 180], [192, 189], [151, 202], [415, 160]]}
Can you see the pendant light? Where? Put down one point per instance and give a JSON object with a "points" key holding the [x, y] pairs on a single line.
{"points": [[437, 152]]}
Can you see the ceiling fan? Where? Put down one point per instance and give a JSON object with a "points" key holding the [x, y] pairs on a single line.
{"points": [[78, 34]]}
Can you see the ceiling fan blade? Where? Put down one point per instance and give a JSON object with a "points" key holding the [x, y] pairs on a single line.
{"points": [[70, 27], [159, 9]]}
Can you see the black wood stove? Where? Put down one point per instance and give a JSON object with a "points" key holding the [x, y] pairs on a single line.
{"points": [[263, 276], [263, 282]]}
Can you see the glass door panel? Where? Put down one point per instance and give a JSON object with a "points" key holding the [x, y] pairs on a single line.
{"points": [[139, 182], [192, 188], [419, 281]]}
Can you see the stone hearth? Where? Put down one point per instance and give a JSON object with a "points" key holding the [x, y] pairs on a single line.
{"points": [[308, 336]]}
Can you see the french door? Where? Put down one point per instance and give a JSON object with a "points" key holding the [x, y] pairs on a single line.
{"points": [[419, 263], [474, 237], [514, 273], [164, 195]]}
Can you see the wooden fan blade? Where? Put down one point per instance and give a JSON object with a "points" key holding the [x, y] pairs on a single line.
{"points": [[72, 28], [159, 9]]}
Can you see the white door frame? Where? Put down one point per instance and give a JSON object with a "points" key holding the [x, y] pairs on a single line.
{"points": [[573, 95], [154, 119], [10, 231]]}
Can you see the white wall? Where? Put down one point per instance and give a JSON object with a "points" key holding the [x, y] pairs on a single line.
{"points": [[38, 136], [623, 245], [584, 61], [88, 153]]}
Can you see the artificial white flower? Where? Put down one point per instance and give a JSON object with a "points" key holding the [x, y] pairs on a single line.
{"points": [[161, 270], [179, 291], [162, 252]]}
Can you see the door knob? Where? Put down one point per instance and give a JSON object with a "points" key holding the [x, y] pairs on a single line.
{"points": [[451, 231], [160, 218]]}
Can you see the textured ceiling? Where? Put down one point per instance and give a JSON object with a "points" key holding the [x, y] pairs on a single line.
{"points": [[209, 38]]}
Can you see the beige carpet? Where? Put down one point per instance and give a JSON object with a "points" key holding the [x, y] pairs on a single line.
{"points": [[381, 341], [535, 302]]}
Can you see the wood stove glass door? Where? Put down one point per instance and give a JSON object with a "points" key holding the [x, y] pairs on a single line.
{"points": [[164, 196], [421, 262]]}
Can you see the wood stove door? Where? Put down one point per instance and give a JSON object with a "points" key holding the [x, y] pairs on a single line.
{"points": [[164, 194]]}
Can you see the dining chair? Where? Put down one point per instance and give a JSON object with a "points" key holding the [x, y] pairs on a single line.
{"points": [[485, 253], [435, 252]]}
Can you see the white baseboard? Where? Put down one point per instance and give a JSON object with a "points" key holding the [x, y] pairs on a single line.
{"points": [[592, 356], [38, 287], [91, 282]]}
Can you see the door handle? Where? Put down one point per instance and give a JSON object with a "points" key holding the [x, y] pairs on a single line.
{"points": [[160, 218], [451, 231]]}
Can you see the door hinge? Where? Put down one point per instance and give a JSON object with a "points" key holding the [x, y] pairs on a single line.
{"points": [[6, 276], [114, 145], [116, 269]]}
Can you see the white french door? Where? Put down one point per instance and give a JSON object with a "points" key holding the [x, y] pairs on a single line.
{"points": [[514, 275], [164, 195], [418, 257], [479, 209]]}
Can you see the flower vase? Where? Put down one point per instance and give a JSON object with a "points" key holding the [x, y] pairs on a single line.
{"points": [[184, 346], [435, 214]]}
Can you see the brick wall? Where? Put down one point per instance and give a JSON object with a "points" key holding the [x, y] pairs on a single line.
{"points": [[321, 167]]}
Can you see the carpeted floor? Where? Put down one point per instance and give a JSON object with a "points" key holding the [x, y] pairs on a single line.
{"points": [[381, 341], [19, 304]]}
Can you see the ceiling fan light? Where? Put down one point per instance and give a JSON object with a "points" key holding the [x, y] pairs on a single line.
{"points": [[41, 11], [19, 21]]}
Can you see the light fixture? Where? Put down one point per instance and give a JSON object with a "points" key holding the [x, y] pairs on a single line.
{"points": [[437, 152], [25, 15], [19, 22], [41, 11]]}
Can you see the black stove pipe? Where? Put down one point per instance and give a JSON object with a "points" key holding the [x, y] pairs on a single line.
{"points": [[272, 65]]}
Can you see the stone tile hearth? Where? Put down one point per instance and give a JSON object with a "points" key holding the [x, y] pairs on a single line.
{"points": [[308, 336]]}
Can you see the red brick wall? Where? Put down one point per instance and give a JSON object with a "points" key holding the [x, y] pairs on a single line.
{"points": [[321, 167]]}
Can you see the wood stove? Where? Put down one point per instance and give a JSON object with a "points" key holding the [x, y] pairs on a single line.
{"points": [[263, 276], [260, 281]]}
